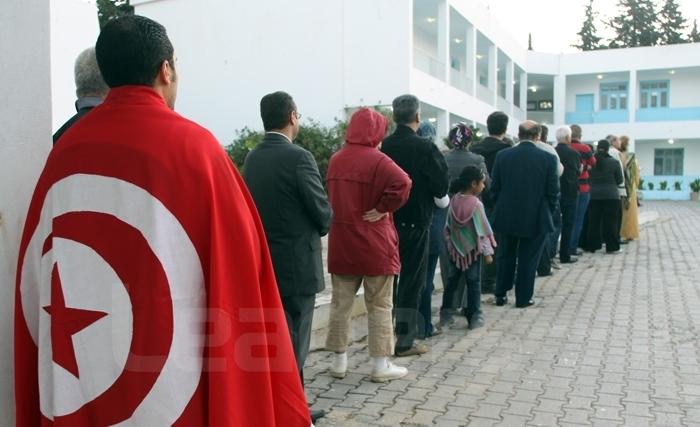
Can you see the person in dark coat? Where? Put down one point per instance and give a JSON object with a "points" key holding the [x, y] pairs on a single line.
{"points": [[568, 182], [497, 124], [426, 167], [365, 187], [286, 186], [604, 212], [90, 88], [525, 188], [436, 245]]}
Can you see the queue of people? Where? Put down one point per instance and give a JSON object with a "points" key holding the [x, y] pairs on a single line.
{"points": [[493, 214]]}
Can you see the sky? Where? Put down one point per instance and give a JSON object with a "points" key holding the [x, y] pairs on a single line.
{"points": [[554, 23]]}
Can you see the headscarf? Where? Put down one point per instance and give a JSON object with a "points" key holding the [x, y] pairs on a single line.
{"points": [[461, 136]]}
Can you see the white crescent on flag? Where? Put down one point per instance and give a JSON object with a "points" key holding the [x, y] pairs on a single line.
{"points": [[86, 309]]}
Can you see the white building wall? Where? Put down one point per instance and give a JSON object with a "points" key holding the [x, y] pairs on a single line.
{"points": [[74, 28], [25, 140], [684, 88], [230, 54], [691, 155]]}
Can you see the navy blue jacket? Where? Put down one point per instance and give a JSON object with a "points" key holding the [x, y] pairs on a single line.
{"points": [[525, 188]]}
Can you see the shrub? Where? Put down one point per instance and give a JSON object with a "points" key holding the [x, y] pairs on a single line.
{"points": [[677, 186], [651, 186], [641, 184], [695, 186]]}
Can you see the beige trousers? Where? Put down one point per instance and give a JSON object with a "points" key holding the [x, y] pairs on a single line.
{"points": [[378, 299]]}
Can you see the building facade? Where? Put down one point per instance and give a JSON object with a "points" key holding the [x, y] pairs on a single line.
{"points": [[453, 54]]}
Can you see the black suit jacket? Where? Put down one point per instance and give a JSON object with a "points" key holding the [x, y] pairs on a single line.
{"points": [[426, 167], [525, 187], [285, 183], [568, 182]]}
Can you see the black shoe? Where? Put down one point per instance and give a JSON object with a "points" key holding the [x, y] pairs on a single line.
{"points": [[501, 301], [544, 273], [571, 260], [624, 242], [476, 321], [619, 251], [316, 414], [526, 304]]}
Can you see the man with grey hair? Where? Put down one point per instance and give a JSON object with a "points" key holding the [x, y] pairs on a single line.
{"points": [[568, 184], [426, 167], [90, 88], [622, 189]]}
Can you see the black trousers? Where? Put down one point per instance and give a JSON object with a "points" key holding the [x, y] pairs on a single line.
{"points": [[525, 252], [488, 271], [568, 218], [299, 311], [413, 251], [603, 219]]}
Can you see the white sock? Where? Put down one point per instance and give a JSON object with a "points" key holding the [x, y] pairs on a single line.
{"points": [[340, 360], [380, 363]]}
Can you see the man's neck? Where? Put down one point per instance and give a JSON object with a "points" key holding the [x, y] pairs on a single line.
{"points": [[498, 137], [284, 132]]}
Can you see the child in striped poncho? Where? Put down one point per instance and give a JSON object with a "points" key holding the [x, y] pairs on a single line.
{"points": [[468, 236]]}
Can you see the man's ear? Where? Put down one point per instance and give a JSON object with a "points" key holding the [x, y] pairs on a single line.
{"points": [[166, 73]]}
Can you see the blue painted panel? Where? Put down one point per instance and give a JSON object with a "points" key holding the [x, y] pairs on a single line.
{"points": [[584, 103], [668, 114], [671, 193], [607, 116]]}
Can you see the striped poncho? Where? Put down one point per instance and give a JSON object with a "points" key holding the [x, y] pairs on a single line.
{"points": [[468, 233]]}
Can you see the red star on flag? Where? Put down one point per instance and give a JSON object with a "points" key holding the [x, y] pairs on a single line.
{"points": [[66, 322]]}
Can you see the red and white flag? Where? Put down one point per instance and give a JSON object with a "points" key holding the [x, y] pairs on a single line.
{"points": [[145, 293]]}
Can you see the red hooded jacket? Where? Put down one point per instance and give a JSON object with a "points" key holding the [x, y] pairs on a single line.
{"points": [[361, 178]]}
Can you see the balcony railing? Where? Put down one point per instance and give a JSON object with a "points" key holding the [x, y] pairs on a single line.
{"points": [[461, 81], [484, 94], [603, 116], [668, 114], [427, 63]]}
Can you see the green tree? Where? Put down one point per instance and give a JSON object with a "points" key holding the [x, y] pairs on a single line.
{"points": [[588, 36], [694, 36], [635, 25], [110, 9], [672, 22]]}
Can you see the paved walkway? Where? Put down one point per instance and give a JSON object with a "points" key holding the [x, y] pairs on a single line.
{"points": [[613, 340]]}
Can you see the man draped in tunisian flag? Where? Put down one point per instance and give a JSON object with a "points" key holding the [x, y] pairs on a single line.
{"points": [[145, 291]]}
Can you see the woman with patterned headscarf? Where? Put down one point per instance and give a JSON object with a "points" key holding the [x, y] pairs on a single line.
{"points": [[457, 158]]}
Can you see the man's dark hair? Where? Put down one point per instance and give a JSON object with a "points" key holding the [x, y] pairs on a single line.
{"points": [[405, 108], [526, 133], [544, 133], [576, 132], [275, 109], [497, 123], [131, 49]]}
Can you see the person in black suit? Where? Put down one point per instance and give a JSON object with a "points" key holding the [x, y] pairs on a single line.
{"points": [[426, 167], [525, 188], [90, 88], [568, 183], [286, 186]]}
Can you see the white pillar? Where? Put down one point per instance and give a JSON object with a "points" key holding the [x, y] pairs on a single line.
{"points": [[25, 141], [444, 39], [493, 74], [510, 77], [560, 100], [632, 96], [443, 128], [471, 58]]}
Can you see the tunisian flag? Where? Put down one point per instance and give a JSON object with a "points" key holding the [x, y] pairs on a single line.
{"points": [[145, 292]]}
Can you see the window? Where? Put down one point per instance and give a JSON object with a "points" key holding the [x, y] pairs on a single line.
{"points": [[654, 94], [613, 96], [668, 161]]}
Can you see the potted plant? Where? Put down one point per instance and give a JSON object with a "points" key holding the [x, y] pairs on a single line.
{"points": [[695, 189], [677, 186], [663, 185], [651, 186]]}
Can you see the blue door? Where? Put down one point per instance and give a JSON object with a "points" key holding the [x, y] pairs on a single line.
{"points": [[584, 103]]}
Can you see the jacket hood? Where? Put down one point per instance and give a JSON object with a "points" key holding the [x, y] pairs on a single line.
{"points": [[367, 127]]}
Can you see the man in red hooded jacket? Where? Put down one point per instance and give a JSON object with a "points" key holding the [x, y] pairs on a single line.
{"points": [[364, 187], [145, 291]]}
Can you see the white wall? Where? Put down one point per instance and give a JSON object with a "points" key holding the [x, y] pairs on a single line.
{"points": [[74, 28], [691, 154], [230, 54], [25, 140], [684, 89]]}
